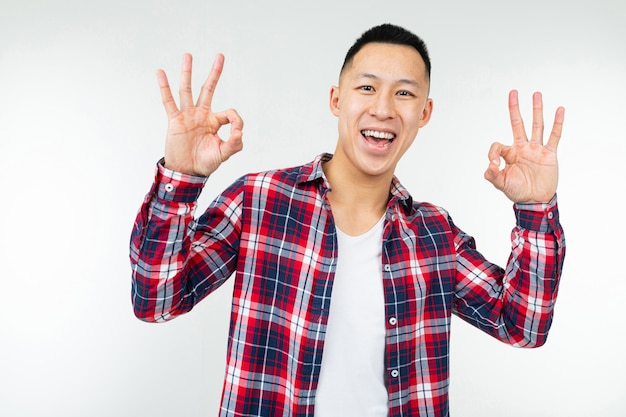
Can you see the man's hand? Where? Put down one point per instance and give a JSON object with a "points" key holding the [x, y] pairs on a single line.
{"points": [[531, 170], [192, 145]]}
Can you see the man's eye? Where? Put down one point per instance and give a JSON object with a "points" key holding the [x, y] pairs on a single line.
{"points": [[367, 88], [404, 93]]}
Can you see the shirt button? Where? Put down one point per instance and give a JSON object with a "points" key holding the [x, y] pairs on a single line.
{"points": [[550, 215], [393, 321], [395, 373], [169, 188], [387, 267]]}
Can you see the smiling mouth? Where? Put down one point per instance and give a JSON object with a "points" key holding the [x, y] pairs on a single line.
{"points": [[377, 138]]}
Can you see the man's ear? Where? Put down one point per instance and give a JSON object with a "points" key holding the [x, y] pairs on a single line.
{"points": [[334, 100], [426, 113]]}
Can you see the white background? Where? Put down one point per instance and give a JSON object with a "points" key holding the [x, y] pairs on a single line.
{"points": [[82, 126]]}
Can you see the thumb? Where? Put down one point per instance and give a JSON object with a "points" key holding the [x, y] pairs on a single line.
{"points": [[234, 143], [493, 173]]}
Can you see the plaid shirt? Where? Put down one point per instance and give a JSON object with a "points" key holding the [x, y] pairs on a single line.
{"points": [[275, 231]]}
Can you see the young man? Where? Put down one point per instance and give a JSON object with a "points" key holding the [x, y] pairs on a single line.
{"points": [[344, 286]]}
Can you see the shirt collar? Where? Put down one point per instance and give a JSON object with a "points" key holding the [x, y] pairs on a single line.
{"points": [[313, 172]]}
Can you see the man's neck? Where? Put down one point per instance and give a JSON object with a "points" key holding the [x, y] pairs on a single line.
{"points": [[357, 200]]}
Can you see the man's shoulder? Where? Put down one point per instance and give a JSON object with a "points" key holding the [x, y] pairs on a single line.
{"points": [[282, 175], [426, 206], [290, 175], [425, 209]]}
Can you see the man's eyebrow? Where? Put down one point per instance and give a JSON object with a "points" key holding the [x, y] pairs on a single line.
{"points": [[400, 81]]}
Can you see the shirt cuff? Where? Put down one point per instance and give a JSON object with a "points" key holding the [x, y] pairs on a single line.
{"points": [[177, 187], [538, 217]]}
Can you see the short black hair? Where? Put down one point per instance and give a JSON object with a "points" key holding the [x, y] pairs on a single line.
{"points": [[392, 34]]}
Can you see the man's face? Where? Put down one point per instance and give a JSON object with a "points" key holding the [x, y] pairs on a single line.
{"points": [[381, 103]]}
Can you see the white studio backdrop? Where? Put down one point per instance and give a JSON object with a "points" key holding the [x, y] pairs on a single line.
{"points": [[82, 126]]}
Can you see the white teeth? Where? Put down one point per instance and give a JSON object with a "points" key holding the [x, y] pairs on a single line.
{"points": [[379, 135]]}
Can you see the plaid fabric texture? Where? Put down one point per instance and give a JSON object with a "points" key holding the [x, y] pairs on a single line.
{"points": [[275, 232]]}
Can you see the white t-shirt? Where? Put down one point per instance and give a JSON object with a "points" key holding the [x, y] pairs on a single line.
{"points": [[352, 377]]}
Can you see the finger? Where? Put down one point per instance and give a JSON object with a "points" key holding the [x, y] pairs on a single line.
{"points": [[166, 94], [495, 154], [227, 117], [517, 124], [537, 132], [494, 175], [208, 88], [234, 142], [233, 145], [557, 129], [186, 98]]}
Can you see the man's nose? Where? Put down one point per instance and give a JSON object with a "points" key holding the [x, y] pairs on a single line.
{"points": [[383, 107]]}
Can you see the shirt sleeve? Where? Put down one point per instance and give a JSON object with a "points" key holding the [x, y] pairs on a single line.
{"points": [[515, 304], [171, 269]]}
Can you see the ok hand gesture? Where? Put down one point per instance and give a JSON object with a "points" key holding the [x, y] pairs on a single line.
{"points": [[192, 145], [530, 173]]}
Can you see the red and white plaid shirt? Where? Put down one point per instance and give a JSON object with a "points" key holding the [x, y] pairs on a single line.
{"points": [[275, 232]]}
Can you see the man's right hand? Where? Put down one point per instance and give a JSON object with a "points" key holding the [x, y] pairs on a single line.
{"points": [[192, 145]]}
